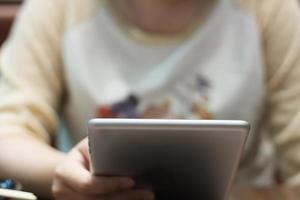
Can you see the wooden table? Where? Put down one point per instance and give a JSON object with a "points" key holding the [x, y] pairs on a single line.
{"points": [[8, 12], [265, 194]]}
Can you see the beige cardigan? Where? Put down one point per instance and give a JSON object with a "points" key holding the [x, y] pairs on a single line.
{"points": [[32, 84]]}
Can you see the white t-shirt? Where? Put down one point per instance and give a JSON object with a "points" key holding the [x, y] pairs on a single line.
{"points": [[217, 73]]}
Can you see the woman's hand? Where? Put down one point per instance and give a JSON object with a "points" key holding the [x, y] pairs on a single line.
{"points": [[73, 180]]}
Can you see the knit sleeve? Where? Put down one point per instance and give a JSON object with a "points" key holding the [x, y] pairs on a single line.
{"points": [[280, 26], [31, 80]]}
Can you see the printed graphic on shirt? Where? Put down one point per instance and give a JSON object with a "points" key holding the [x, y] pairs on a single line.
{"points": [[188, 99]]}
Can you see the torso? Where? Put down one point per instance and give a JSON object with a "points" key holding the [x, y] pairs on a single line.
{"points": [[215, 73]]}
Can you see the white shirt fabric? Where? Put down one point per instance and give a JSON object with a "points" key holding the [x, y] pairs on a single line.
{"points": [[219, 68]]}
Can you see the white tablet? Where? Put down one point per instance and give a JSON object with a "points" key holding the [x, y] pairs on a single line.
{"points": [[177, 159]]}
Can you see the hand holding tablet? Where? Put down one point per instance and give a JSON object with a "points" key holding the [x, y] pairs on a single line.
{"points": [[73, 180]]}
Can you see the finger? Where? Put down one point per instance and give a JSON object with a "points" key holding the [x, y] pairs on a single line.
{"points": [[133, 195], [84, 151], [74, 174], [62, 191]]}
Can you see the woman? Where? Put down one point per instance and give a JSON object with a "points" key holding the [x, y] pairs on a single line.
{"points": [[220, 59]]}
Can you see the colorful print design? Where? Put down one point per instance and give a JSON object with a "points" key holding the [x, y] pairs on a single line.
{"points": [[192, 96]]}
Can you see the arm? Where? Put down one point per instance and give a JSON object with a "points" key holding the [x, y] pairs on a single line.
{"points": [[31, 87], [282, 46], [30, 91], [29, 161], [280, 24]]}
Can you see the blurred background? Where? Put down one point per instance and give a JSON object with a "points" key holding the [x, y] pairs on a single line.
{"points": [[8, 11]]}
